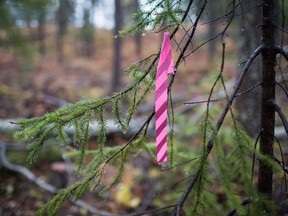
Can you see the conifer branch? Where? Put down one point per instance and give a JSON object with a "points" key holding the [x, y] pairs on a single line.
{"points": [[183, 18], [149, 118], [180, 57], [209, 145]]}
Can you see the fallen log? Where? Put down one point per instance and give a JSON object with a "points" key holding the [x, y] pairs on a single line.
{"points": [[10, 126]]}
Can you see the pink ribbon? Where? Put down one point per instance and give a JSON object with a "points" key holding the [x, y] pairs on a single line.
{"points": [[165, 66]]}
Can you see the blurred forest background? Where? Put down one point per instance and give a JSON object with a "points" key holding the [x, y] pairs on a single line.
{"points": [[53, 52]]}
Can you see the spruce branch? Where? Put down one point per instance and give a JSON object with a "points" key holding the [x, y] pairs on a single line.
{"points": [[180, 57], [78, 114], [209, 144]]}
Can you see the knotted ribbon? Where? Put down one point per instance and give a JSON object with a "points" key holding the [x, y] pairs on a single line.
{"points": [[164, 67]]}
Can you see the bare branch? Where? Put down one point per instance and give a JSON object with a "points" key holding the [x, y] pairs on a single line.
{"points": [[283, 163], [281, 115], [150, 212], [282, 52], [284, 168], [285, 91], [254, 155], [223, 98], [222, 33], [281, 29]]}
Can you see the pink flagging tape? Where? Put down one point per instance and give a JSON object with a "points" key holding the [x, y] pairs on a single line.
{"points": [[165, 66]]}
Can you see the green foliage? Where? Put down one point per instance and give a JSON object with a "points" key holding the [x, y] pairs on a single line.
{"points": [[79, 117], [159, 14], [76, 191]]}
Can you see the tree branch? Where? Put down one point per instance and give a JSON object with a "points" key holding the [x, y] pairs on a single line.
{"points": [[209, 145], [187, 44], [282, 52], [223, 98], [284, 168], [281, 115]]}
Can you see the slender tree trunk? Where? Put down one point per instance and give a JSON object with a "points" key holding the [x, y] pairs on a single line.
{"points": [[116, 79], [265, 178]]}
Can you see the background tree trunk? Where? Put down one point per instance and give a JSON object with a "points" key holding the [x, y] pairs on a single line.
{"points": [[41, 31], [138, 41], [64, 12], [248, 107], [212, 28], [116, 78]]}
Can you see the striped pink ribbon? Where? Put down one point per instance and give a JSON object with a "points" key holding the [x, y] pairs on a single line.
{"points": [[165, 66]]}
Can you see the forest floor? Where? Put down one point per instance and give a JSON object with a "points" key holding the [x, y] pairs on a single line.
{"points": [[25, 86]]}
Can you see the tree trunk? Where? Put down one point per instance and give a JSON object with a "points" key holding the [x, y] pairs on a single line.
{"points": [[63, 14], [116, 79], [137, 36], [248, 106], [212, 28], [265, 178], [41, 31]]}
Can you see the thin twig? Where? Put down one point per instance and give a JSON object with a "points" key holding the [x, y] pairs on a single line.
{"points": [[283, 163], [281, 115], [183, 18], [147, 121], [180, 57], [285, 169], [151, 211], [223, 98], [285, 91], [254, 156], [281, 29], [282, 52]]}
